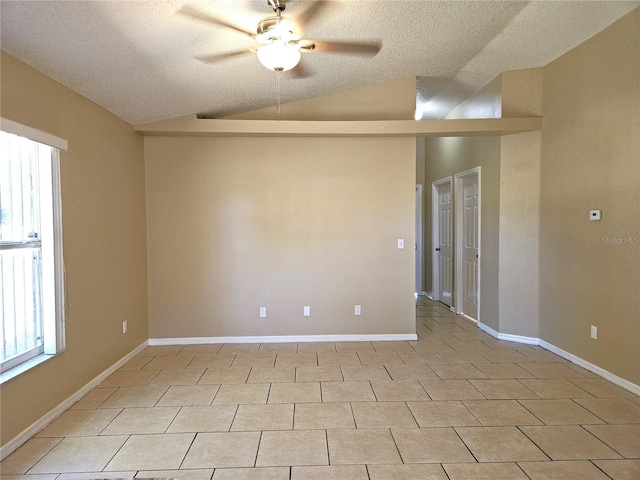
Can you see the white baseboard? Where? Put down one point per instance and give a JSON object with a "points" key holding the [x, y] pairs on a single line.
{"points": [[621, 382], [15, 443], [284, 339]]}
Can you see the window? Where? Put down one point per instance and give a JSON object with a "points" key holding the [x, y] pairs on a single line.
{"points": [[31, 268]]}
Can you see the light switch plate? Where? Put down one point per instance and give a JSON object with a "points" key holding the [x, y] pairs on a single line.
{"points": [[400, 243]]}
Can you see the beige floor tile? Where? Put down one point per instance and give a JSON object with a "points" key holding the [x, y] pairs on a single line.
{"points": [[332, 359], [253, 393], [297, 360], [177, 377], [365, 373], [254, 360], [94, 398], [265, 473], [380, 358], [568, 442], [581, 370], [195, 474], [500, 444], [211, 361], [323, 416], [25, 457], [540, 355], [152, 452], [358, 447], [161, 350], [461, 371], [612, 410], [503, 370], [223, 450], [406, 472], [80, 454], [221, 376], [125, 378], [582, 470], [80, 423], [203, 419], [430, 344], [204, 349], [451, 390], [236, 348], [299, 392], [442, 414], [178, 362], [184, 395], [551, 370], [500, 412], [316, 347], [90, 476], [484, 471], [463, 357], [298, 447], [431, 445], [136, 363], [560, 412], [620, 469], [503, 389], [423, 357], [331, 472], [599, 387], [624, 439], [382, 415], [411, 372], [319, 374], [263, 417], [555, 388], [407, 391], [142, 421], [468, 346], [506, 356], [272, 374], [392, 346], [291, 347], [134, 397], [347, 392], [344, 347]]}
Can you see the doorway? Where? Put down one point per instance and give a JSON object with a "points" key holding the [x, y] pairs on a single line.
{"points": [[418, 245]]}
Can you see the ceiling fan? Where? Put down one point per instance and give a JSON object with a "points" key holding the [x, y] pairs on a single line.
{"points": [[280, 43]]}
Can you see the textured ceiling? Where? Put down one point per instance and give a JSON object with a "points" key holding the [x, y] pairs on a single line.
{"points": [[136, 58]]}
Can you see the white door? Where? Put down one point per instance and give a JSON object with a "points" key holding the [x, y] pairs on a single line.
{"points": [[468, 214], [418, 245], [442, 241]]}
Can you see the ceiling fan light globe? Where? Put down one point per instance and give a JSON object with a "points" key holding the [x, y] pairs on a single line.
{"points": [[279, 56]]}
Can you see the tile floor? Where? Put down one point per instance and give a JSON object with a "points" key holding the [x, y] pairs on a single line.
{"points": [[456, 404]]}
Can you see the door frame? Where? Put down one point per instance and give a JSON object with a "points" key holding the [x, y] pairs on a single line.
{"points": [[458, 205], [435, 236], [419, 243]]}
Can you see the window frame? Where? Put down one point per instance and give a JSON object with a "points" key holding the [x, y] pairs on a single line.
{"points": [[53, 276]]}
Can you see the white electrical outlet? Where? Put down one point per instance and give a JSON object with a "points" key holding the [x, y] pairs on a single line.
{"points": [[357, 310], [307, 311], [125, 326], [263, 312], [400, 243], [594, 332]]}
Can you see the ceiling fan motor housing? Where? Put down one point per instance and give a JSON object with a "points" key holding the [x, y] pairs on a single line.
{"points": [[276, 28]]}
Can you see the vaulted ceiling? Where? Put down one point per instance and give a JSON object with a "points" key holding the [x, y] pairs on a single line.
{"points": [[139, 59]]}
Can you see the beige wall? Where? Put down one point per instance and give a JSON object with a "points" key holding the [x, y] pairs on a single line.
{"points": [[103, 209], [591, 160], [239, 223]]}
